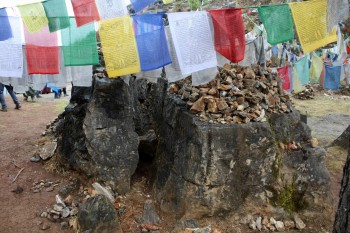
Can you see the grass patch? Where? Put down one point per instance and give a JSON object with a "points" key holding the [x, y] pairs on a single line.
{"points": [[336, 157], [323, 105], [61, 104]]}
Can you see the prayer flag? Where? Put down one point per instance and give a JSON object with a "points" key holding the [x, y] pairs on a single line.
{"points": [[297, 86], [229, 33], [56, 12], [85, 11], [332, 77], [42, 60], [11, 59], [151, 42], [33, 16], [302, 68], [250, 54], [337, 10], [278, 22], [119, 47], [316, 68], [172, 71], [5, 27], [42, 51], [109, 9], [310, 22], [139, 5], [193, 41], [79, 45], [284, 74]]}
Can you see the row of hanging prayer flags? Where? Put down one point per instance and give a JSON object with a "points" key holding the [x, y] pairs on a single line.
{"points": [[129, 44], [309, 17], [295, 77]]}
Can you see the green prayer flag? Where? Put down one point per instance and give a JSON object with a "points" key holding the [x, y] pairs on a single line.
{"points": [[278, 22], [56, 12], [79, 45]]}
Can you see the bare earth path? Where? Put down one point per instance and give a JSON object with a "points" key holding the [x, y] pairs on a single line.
{"points": [[20, 131]]}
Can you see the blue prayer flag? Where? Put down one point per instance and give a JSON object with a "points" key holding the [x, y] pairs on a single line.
{"points": [[332, 77], [151, 41], [139, 5], [302, 67], [5, 28]]}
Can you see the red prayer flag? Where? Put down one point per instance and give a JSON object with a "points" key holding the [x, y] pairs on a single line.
{"points": [[42, 60], [229, 33], [85, 11], [284, 74]]}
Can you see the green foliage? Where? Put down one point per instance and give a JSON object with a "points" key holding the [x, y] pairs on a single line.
{"points": [[194, 4], [291, 199]]}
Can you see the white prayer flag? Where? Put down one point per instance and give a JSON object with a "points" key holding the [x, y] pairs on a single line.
{"points": [[192, 41], [11, 56], [109, 9]]}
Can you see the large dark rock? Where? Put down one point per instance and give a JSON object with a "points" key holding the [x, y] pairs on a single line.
{"points": [[110, 136], [342, 217], [200, 169], [343, 139], [204, 169], [98, 215], [99, 137]]}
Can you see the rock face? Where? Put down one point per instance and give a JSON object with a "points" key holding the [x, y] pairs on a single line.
{"points": [[343, 139], [99, 138], [201, 169], [341, 222], [206, 169], [98, 215]]}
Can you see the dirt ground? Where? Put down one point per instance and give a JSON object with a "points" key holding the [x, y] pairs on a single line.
{"points": [[20, 138], [20, 132]]}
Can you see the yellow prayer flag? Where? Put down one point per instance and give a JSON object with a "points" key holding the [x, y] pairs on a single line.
{"points": [[34, 16], [316, 68], [297, 86], [310, 22], [119, 47]]}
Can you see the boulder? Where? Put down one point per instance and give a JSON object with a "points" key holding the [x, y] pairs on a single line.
{"points": [[98, 215], [200, 169]]}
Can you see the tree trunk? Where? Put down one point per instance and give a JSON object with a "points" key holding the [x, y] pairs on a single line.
{"points": [[342, 217]]}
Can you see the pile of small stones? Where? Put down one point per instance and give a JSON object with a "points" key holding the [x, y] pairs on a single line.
{"points": [[62, 211], [46, 185], [54, 126], [270, 224], [236, 95], [306, 94]]}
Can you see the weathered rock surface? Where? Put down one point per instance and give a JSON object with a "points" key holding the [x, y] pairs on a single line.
{"points": [[201, 169], [99, 137], [98, 215], [341, 222], [48, 150], [343, 139]]}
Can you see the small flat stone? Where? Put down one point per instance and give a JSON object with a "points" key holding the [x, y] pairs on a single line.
{"points": [[299, 224], [279, 225], [45, 227], [49, 189], [64, 225]]}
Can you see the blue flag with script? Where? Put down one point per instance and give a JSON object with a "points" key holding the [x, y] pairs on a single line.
{"points": [[151, 41], [5, 28], [332, 77]]}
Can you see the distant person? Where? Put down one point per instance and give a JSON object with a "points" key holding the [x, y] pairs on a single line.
{"points": [[64, 92], [31, 93], [9, 88]]}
